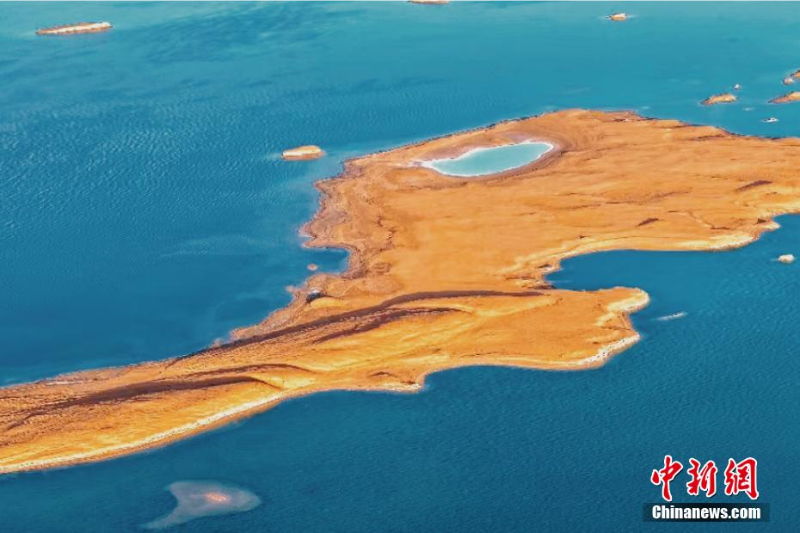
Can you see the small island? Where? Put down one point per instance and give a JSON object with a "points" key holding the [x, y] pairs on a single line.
{"points": [[443, 273], [725, 98], [73, 29], [787, 98], [303, 152]]}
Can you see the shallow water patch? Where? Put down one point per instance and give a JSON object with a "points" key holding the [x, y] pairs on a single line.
{"points": [[490, 160], [198, 499]]}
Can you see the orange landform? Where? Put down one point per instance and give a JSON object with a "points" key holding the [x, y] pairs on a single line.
{"points": [[444, 272], [725, 98], [793, 96]]}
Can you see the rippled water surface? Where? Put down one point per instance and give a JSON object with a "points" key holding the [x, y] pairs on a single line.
{"points": [[144, 212]]}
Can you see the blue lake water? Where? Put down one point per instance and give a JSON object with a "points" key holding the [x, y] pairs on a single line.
{"points": [[144, 212], [482, 161]]}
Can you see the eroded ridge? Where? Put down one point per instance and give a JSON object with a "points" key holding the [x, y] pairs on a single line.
{"points": [[444, 272]]}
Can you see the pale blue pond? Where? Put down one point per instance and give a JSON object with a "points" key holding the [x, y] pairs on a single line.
{"points": [[482, 161]]}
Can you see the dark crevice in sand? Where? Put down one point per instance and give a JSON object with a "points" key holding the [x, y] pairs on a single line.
{"points": [[135, 391], [753, 184], [360, 313]]}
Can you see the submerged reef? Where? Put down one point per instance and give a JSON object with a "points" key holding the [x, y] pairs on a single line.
{"points": [[198, 499]]}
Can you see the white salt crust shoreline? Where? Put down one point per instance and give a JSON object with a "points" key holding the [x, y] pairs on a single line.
{"points": [[430, 163]]}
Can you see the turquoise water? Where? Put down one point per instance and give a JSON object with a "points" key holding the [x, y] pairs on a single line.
{"points": [[144, 212], [482, 161]]}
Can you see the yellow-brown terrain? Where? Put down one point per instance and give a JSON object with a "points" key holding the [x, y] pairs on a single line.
{"points": [[444, 272], [726, 98], [787, 98]]}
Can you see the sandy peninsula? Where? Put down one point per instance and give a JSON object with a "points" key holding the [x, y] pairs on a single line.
{"points": [[444, 272], [725, 98]]}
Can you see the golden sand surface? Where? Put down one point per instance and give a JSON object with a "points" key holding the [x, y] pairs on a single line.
{"points": [[725, 98], [444, 272]]}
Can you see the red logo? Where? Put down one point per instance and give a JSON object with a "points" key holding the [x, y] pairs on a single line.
{"points": [[704, 478], [739, 477], [664, 476]]}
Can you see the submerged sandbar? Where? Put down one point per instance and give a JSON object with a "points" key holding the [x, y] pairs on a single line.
{"points": [[443, 273], [199, 499]]}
